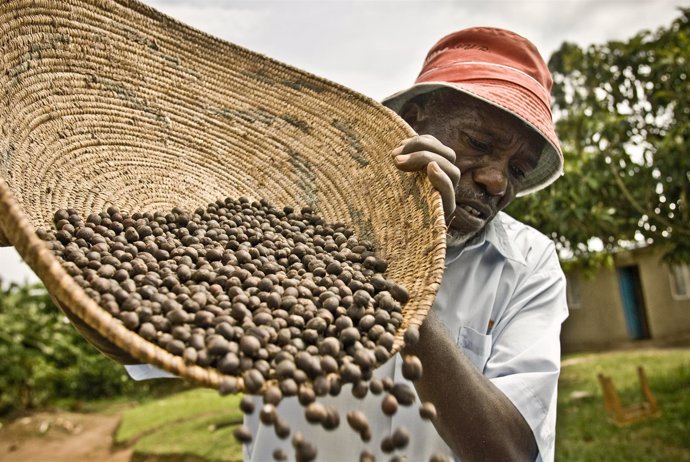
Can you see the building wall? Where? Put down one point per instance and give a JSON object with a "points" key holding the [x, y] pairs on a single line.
{"points": [[599, 322], [666, 316]]}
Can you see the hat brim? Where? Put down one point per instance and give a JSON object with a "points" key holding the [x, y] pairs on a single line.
{"points": [[509, 98]]}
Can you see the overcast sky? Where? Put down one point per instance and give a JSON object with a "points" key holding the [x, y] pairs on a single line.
{"points": [[376, 46]]}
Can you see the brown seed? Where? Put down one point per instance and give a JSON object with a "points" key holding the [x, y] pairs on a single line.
{"points": [[350, 373], [335, 384], [285, 369], [130, 320], [148, 331], [321, 386], [253, 380], [242, 434], [289, 387], [306, 452], [228, 385], [358, 421], [400, 437], [273, 395], [381, 353], [411, 336], [427, 410], [404, 394], [364, 358], [399, 293], [328, 364], [412, 367], [279, 454], [387, 445], [376, 386], [366, 322], [349, 335], [177, 316], [360, 389], [389, 405], [315, 412], [281, 427], [268, 414], [106, 271], [306, 395], [332, 420], [361, 298], [297, 440], [250, 345], [175, 347], [247, 404], [218, 346], [330, 304], [386, 340], [366, 456], [190, 355]]}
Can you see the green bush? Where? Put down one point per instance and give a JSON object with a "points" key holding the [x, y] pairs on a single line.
{"points": [[44, 359]]}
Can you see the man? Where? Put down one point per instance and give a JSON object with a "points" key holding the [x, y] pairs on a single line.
{"points": [[490, 347]]}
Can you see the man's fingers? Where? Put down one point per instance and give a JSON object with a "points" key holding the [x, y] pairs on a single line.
{"points": [[444, 186], [426, 152], [420, 160], [426, 143]]}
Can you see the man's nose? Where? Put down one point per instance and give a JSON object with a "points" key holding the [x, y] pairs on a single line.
{"points": [[493, 178]]}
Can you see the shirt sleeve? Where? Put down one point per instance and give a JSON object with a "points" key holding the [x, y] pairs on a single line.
{"points": [[147, 372], [525, 354]]}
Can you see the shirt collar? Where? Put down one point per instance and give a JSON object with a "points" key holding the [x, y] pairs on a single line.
{"points": [[493, 233]]}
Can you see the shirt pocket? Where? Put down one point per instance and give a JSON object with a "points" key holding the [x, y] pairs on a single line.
{"points": [[476, 346]]}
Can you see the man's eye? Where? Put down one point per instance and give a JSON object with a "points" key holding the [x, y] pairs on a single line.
{"points": [[517, 172], [478, 145]]}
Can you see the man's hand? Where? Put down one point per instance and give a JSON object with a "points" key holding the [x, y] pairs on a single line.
{"points": [[426, 152]]}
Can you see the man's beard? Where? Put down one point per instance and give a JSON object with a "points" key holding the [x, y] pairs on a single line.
{"points": [[458, 238], [455, 238]]}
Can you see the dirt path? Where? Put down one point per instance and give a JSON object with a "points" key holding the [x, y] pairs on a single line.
{"points": [[62, 437]]}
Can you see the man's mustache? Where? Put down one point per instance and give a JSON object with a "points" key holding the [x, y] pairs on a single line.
{"points": [[483, 197]]}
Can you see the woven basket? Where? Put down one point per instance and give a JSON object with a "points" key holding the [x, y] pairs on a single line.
{"points": [[109, 102]]}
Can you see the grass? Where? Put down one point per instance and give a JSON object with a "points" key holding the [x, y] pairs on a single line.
{"points": [[177, 428], [192, 438], [585, 434]]}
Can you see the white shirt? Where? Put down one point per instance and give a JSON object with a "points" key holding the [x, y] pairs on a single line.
{"points": [[503, 299]]}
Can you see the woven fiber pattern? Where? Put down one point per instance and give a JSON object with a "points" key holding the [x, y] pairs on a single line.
{"points": [[109, 102]]}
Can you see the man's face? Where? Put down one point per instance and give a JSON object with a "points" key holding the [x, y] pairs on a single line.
{"points": [[494, 152]]}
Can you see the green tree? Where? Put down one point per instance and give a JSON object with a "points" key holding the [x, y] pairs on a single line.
{"points": [[43, 358], [623, 118]]}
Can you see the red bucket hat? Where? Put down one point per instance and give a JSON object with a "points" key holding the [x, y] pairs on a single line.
{"points": [[503, 69]]}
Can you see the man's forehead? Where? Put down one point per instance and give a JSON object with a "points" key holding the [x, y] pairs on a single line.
{"points": [[498, 123]]}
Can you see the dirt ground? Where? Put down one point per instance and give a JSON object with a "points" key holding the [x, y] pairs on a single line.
{"points": [[62, 437]]}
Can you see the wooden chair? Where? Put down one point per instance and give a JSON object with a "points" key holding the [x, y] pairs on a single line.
{"points": [[621, 415]]}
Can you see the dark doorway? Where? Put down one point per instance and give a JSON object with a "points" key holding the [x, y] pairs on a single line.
{"points": [[633, 302]]}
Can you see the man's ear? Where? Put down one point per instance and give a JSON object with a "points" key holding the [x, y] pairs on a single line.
{"points": [[412, 113]]}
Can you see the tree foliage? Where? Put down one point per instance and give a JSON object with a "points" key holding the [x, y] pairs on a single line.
{"points": [[623, 117], [43, 358]]}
